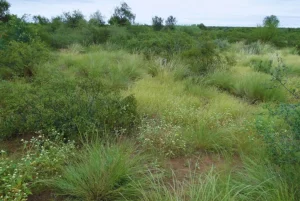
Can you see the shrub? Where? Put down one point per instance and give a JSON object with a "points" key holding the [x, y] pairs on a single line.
{"points": [[103, 172], [20, 58], [163, 43], [202, 59], [66, 108]]}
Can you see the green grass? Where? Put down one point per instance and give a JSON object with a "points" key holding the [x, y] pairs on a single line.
{"points": [[293, 64], [253, 86], [201, 111], [172, 114], [103, 172]]}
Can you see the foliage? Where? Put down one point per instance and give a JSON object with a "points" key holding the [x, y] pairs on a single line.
{"points": [[202, 26], [161, 43], [68, 109], [171, 22], [41, 20], [4, 10], [122, 16], [202, 59], [97, 19], [73, 19], [42, 159], [157, 23], [261, 65], [77, 101], [271, 21], [19, 59], [103, 172]]}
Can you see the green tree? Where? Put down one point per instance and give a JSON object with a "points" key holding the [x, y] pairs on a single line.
{"points": [[73, 19], [122, 16], [202, 26], [157, 23], [171, 22], [40, 19], [269, 30], [4, 11], [97, 19], [271, 21]]}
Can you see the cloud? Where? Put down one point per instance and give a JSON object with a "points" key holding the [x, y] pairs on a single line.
{"points": [[213, 12]]}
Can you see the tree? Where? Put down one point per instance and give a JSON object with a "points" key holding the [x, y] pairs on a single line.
{"points": [[271, 21], [202, 26], [97, 19], [40, 19], [4, 11], [122, 16], [269, 30], [157, 23], [73, 19], [171, 22]]}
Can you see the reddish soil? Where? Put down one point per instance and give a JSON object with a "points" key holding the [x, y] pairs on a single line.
{"points": [[44, 196], [201, 163], [15, 146]]}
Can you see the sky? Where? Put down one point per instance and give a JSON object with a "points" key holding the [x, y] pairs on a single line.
{"points": [[210, 12]]}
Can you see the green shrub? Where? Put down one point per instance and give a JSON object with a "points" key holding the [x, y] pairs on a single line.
{"points": [[282, 144], [163, 43], [19, 59], [202, 59], [67, 108], [103, 172]]}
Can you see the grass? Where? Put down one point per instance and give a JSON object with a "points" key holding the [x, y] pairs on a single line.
{"points": [[103, 172], [201, 111], [178, 115], [253, 86], [293, 64]]}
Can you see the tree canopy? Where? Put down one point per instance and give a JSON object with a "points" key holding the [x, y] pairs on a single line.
{"points": [[271, 21], [171, 22], [4, 10], [122, 16], [157, 23]]}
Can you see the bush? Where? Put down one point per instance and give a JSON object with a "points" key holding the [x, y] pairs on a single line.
{"points": [[19, 59], [281, 134], [202, 59], [103, 172], [78, 93], [163, 43], [68, 108]]}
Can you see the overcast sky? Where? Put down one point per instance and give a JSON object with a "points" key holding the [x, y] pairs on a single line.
{"points": [[209, 12]]}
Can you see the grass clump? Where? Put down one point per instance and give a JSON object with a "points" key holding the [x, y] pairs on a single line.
{"points": [[253, 86], [102, 172]]}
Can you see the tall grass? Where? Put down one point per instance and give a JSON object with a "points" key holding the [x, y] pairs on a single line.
{"points": [[102, 172], [202, 112], [254, 182], [253, 86]]}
